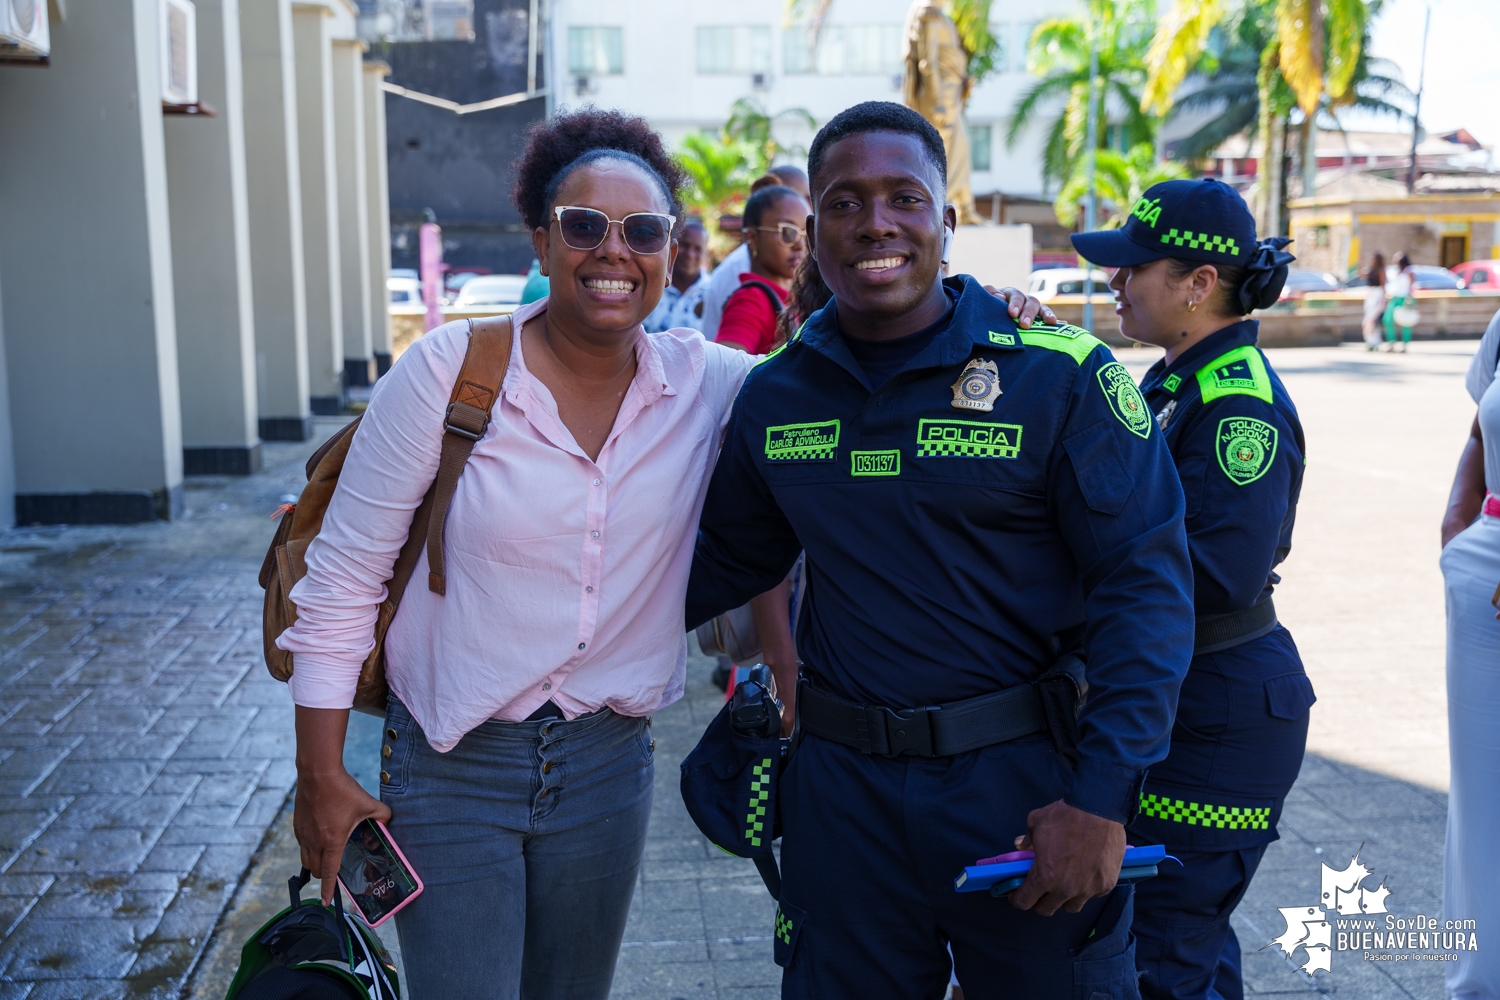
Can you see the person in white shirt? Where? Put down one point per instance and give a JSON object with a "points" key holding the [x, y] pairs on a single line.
{"points": [[678, 308], [726, 279], [1400, 301]]}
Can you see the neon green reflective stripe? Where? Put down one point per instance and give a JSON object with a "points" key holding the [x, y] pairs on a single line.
{"points": [[1205, 814], [1077, 345], [1240, 372], [1202, 241], [760, 793]]}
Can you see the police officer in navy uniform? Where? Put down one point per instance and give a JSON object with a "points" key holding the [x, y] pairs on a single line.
{"points": [[976, 500], [1190, 272]]}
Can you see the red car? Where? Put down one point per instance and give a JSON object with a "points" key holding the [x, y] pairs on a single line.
{"points": [[1479, 275]]}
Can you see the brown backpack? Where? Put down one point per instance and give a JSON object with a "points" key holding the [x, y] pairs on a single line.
{"points": [[474, 393]]}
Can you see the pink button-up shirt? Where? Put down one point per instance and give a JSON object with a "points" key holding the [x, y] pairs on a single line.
{"points": [[566, 577]]}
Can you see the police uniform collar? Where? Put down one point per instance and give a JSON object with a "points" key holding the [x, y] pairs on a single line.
{"points": [[979, 319], [1245, 331]]}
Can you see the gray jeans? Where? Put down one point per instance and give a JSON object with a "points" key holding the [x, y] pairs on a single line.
{"points": [[528, 838]]}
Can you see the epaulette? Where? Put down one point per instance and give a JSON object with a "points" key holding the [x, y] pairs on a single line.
{"points": [[1074, 341], [1240, 372]]}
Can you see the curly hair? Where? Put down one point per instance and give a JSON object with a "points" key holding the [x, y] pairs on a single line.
{"points": [[808, 294], [557, 146]]}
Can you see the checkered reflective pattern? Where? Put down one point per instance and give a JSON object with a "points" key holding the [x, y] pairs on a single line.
{"points": [[760, 793], [783, 927], [969, 449], [1202, 241], [1205, 814]]}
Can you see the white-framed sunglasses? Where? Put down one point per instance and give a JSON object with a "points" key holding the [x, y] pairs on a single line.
{"points": [[586, 229]]}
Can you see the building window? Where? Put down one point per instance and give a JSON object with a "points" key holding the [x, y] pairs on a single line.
{"points": [[734, 49], [858, 49], [595, 51], [1022, 40], [979, 147]]}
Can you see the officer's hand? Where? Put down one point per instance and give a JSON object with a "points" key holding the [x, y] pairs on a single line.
{"points": [[1078, 858], [1023, 308]]}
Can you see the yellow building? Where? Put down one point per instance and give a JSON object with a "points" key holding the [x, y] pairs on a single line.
{"points": [[1447, 221]]}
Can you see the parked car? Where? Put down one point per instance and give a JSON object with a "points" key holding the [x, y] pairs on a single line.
{"points": [[1300, 282], [404, 272], [404, 291], [455, 282], [1479, 275], [1429, 276], [1047, 283], [492, 290]]}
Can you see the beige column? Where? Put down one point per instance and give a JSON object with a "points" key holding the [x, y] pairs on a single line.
{"points": [[379, 192], [211, 258], [320, 206], [354, 224], [274, 193], [86, 258]]}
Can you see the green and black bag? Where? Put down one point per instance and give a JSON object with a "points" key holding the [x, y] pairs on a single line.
{"points": [[309, 951]]}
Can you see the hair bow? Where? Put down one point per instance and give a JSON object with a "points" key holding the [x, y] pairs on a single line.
{"points": [[1267, 270]]}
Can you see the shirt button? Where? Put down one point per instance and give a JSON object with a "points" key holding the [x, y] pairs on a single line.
{"points": [[596, 482], [593, 534], [588, 590], [547, 686], [582, 644]]}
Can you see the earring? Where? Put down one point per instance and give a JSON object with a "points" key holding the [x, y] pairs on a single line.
{"points": [[1192, 304]]}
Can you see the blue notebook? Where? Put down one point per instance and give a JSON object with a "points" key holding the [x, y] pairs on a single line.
{"points": [[979, 877]]}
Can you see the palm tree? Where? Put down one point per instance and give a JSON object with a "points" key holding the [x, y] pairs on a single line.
{"points": [[1058, 52], [719, 170], [750, 125], [1119, 181], [1310, 52]]}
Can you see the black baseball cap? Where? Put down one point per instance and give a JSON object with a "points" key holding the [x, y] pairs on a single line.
{"points": [[1203, 220]]}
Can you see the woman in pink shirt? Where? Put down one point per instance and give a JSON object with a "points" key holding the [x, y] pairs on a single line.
{"points": [[517, 760]]}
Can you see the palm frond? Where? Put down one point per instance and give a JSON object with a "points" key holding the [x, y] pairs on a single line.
{"points": [[1175, 50]]}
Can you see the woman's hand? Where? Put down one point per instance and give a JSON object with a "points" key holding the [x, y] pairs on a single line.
{"points": [[329, 803], [1023, 308]]}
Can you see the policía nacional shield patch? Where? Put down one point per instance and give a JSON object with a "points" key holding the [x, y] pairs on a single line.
{"points": [[1125, 400], [1245, 447]]}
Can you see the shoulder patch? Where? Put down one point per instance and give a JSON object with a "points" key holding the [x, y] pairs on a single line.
{"points": [[1172, 382], [1074, 341], [1245, 447], [1125, 400], [1003, 339], [1240, 372]]}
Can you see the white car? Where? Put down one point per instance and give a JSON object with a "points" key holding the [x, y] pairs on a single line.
{"points": [[1054, 281], [404, 291], [492, 290]]}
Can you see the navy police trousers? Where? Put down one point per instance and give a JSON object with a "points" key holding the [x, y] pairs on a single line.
{"points": [[1237, 746], [870, 849]]}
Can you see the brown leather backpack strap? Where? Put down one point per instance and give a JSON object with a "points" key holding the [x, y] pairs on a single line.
{"points": [[475, 393]]}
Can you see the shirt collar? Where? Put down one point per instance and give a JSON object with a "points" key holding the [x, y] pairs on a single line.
{"points": [[979, 320], [650, 375], [1245, 331]]}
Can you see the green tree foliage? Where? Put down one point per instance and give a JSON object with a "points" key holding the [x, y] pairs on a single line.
{"points": [[750, 125], [1058, 53], [972, 19], [719, 169], [1119, 180]]}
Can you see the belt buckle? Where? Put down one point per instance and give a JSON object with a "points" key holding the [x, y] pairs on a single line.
{"points": [[908, 732]]}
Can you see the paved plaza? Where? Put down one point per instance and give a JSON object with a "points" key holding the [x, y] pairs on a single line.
{"points": [[146, 756]]}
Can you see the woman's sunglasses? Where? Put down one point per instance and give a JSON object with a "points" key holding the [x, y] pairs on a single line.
{"points": [[790, 235], [586, 228]]}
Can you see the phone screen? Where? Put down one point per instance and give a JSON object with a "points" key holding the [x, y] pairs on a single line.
{"points": [[373, 874]]}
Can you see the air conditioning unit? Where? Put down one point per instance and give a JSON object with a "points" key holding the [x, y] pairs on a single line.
{"points": [[179, 52], [23, 30], [760, 81]]}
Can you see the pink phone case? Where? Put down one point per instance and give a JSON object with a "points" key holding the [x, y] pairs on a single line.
{"points": [[404, 864]]}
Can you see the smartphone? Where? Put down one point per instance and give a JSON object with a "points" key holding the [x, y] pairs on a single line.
{"points": [[375, 874]]}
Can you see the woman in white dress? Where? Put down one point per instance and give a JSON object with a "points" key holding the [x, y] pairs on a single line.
{"points": [[1471, 579]]}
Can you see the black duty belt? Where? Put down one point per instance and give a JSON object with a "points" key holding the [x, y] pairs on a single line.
{"points": [[1216, 633], [935, 731]]}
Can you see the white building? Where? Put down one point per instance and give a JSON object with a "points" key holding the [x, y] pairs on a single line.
{"points": [[682, 63]]}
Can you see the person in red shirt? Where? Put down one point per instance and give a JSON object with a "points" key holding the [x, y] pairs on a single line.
{"points": [[775, 218]]}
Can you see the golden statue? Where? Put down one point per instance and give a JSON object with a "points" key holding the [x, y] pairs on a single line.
{"points": [[936, 86]]}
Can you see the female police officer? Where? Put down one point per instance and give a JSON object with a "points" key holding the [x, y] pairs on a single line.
{"points": [[1190, 272]]}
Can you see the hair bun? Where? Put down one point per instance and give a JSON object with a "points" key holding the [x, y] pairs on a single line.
{"points": [[1266, 274]]}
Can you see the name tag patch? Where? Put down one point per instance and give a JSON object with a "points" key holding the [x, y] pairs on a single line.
{"points": [[967, 439], [815, 442], [875, 463]]}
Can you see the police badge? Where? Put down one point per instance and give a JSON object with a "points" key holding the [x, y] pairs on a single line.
{"points": [[977, 387]]}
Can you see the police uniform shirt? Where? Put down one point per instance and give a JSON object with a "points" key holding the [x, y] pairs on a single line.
{"points": [[1238, 445], [949, 548]]}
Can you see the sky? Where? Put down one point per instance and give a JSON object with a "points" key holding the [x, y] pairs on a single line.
{"points": [[1463, 62]]}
